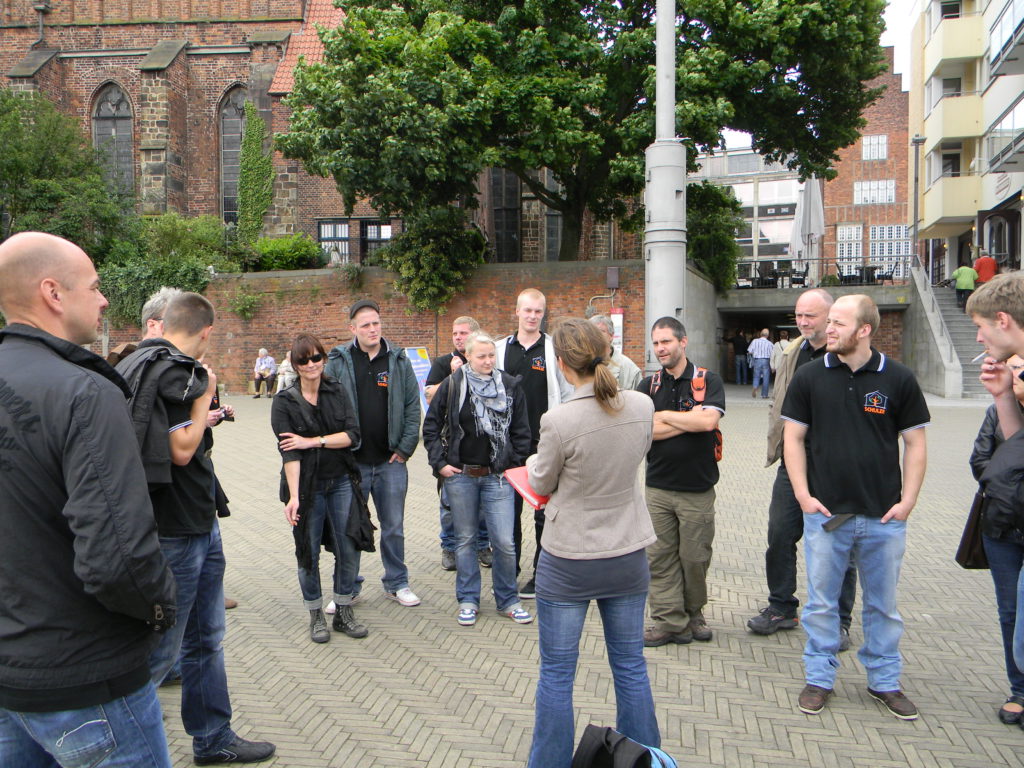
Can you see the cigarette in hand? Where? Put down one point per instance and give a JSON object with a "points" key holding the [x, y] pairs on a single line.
{"points": [[980, 357]]}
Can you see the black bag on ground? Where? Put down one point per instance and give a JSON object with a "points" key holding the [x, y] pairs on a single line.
{"points": [[607, 748]]}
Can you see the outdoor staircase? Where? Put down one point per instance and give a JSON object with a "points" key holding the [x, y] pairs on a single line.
{"points": [[963, 334]]}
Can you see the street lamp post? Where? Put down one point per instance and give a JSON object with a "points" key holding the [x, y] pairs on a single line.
{"points": [[665, 191]]}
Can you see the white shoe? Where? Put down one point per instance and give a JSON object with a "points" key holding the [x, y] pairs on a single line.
{"points": [[331, 608], [404, 596]]}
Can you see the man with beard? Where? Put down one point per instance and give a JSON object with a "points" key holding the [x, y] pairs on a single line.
{"points": [[854, 500]]}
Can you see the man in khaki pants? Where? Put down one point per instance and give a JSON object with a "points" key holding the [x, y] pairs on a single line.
{"points": [[681, 501]]}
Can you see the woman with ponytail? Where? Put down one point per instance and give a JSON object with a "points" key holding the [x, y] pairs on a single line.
{"points": [[595, 532]]}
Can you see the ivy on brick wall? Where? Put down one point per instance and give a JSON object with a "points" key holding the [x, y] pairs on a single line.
{"points": [[255, 177]]}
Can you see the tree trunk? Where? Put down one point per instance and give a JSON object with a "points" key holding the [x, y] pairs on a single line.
{"points": [[572, 231]]}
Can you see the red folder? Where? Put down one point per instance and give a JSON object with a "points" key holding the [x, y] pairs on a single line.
{"points": [[519, 479]]}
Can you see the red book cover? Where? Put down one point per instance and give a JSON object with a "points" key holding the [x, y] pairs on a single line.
{"points": [[519, 479]]}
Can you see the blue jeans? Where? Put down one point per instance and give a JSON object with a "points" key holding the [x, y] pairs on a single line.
{"points": [[197, 563], [448, 527], [560, 625], [762, 375], [331, 503], [877, 548], [1006, 562], [386, 484], [741, 369], [123, 733], [483, 498]]}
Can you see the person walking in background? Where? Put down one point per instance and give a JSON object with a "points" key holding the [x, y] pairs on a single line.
{"points": [[739, 350], [587, 460], [682, 503], [760, 351], [475, 429], [964, 278], [380, 382], [623, 369], [441, 368], [529, 354], [265, 370], [854, 499], [315, 425], [84, 581], [1003, 538], [778, 349], [785, 518]]}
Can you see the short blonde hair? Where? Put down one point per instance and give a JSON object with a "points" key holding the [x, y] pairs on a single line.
{"points": [[466, 320], [478, 337], [530, 293]]}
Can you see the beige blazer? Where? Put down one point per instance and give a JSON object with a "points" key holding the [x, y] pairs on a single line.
{"points": [[588, 460]]}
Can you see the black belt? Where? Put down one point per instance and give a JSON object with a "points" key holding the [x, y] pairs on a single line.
{"points": [[475, 470]]}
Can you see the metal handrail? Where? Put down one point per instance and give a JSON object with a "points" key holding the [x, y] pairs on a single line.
{"points": [[924, 288]]}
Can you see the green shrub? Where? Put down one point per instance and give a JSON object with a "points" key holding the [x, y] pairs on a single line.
{"points": [[203, 237], [128, 284], [289, 252]]}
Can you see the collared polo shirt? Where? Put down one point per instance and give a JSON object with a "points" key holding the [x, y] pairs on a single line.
{"points": [[372, 395], [441, 367], [854, 420], [684, 462], [531, 366]]}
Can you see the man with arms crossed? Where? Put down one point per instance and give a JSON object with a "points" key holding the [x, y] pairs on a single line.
{"points": [[84, 582], [854, 501]]}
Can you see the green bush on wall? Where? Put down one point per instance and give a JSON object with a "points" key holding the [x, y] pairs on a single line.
{"points": [[288, 252]]}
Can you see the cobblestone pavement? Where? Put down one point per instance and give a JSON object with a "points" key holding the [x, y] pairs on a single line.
{"points": [[423, 691]]}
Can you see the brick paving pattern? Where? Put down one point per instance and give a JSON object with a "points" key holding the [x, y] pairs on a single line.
{"points": [[422, 691]]}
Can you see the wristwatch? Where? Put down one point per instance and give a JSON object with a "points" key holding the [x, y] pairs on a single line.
{"points": [[323, 441]]}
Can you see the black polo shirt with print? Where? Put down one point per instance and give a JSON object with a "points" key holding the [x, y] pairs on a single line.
{"points": [[372, 393], [854, 420], [441, 367], [531, 366], [684, 462]]}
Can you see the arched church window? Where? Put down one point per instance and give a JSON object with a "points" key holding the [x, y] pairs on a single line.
{"points": [[112, 136], [232, 123]]}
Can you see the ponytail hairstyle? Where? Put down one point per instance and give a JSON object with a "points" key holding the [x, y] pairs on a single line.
{"points": [[584, 350]]}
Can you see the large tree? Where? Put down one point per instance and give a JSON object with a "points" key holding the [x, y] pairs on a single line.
{"points": [[51, 181], [414, 99]]}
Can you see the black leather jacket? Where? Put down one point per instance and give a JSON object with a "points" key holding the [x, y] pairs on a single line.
{"points": [[998, 465], [81, 573]]}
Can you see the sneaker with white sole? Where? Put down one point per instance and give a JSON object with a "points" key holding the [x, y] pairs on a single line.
{"points": [[404, 596], [467, 616], [518, 614], [332, 607]]}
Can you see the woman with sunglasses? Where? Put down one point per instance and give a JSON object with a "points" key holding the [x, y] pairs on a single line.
{"points": [[475, 429], [316, 426]]}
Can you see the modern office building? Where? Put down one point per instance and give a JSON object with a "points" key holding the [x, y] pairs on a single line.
{"points": [[967, 110]]}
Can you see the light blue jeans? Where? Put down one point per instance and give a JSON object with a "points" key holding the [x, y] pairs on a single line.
{"points": [[877, 549], [386, 483], [448, 527], [762, 374], [560, 625], [483, 498], [123, 733]]}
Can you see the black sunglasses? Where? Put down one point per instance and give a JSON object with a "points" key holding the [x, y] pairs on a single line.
{"points": [[311, 359]]}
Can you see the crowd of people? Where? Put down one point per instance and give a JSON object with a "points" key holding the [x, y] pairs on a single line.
{"points": [[108, 475]]}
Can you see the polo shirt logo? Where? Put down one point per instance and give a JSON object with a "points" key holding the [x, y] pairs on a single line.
{"points": [[876, 402], [538, 364], [382, 379]]}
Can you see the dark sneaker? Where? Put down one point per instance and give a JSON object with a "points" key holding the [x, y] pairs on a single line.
{"points": [[529, 590], [769, 621], [654, 637], [896, 703], [486, 557], [447, 560], [318, 631], [345, 621], [238, 751], [844, 639], [699, 628], [812, 699]]}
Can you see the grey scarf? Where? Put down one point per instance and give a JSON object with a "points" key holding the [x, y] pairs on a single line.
{"points": [[492, 409]]}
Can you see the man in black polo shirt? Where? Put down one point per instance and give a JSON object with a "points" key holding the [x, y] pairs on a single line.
{"points": [[529, 354], [785, 518], [854, 502], [441, 368], [681, 477]]}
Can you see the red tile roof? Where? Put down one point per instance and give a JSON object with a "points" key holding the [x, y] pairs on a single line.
{"points": [[306, 43]]}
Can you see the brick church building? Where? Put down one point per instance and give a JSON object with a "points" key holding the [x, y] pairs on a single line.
{"points": [[160, 86]]}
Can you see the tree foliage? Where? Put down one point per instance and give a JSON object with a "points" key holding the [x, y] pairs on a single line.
{"points": [[51, 181], [255, 177], [415, 99], [713, 215]]}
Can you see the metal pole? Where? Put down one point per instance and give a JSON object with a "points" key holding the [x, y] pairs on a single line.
{"points": [[916, 142], [665, 191]]}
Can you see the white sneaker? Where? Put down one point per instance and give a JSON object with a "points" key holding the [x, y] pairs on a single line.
{"points": [[404, 596]]}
